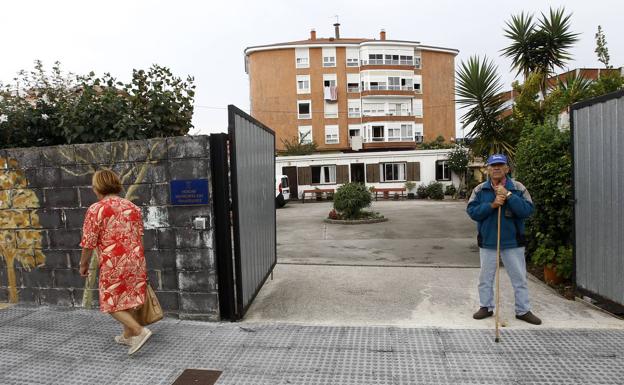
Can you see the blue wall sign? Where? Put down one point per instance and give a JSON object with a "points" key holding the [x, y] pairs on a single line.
{"points": [[189, 192]]}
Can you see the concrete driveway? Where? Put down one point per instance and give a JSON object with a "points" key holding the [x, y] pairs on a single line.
{"points": [[419, 269], [419, 233]]}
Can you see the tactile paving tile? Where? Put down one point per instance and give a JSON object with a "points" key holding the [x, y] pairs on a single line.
{"points": [[257, 354]]}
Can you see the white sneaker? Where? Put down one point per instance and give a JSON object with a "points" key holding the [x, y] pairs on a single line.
{"points": [[120, 339], [138, 341]]}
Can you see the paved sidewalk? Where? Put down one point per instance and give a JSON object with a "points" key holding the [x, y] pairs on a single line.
{"points": [[62, 346]]}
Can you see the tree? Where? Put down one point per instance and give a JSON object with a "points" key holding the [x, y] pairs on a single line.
{"points": [[601, 48], [20, 239], [299, 146], [40, 108], [478, 89], [457, 162], [539, 47]]}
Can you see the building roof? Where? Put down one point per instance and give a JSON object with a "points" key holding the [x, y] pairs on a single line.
{"points": [[319, 42]]}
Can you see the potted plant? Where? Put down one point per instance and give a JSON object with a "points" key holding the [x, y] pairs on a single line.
{"points": [[546, 257], [409, 186], [396, 196]]}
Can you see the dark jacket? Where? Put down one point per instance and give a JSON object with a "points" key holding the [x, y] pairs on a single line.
{"points": [[516, 209]]}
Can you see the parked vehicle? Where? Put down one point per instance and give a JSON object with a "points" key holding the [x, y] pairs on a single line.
{"points": [[282, 191]]}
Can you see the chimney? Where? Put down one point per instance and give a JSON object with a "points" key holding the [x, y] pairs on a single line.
{"points": [[312, 34], [382, 34], [337, 28]]}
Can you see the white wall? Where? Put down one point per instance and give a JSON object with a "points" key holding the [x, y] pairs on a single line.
{"points": [[427, 159]]}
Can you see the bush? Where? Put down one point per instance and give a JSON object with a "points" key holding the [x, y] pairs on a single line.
{"points": [[409, 186], [350, 199], [43, 109], [434, 191], [544, 166], [422, 192], [450, 190]]}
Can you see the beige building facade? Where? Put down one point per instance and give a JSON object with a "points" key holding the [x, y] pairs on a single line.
{"points": [[353, 94]]}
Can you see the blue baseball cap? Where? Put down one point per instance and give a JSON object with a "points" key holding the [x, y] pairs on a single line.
{"points": [[496, 159]]}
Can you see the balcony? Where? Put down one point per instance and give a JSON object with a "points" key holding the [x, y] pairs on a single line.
{"points": [[377, 139]]}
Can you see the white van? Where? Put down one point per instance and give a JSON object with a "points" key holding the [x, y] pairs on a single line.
{"points": [[282, 191]]}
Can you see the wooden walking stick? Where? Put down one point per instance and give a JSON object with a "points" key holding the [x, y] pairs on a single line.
{"points": [[497, 339]]}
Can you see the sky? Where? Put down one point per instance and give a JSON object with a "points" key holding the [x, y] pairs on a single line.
{"points": [[206, 39]]}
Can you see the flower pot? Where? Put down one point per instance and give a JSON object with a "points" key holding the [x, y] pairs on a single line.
{"points": [[410, 196], [551, 277]]}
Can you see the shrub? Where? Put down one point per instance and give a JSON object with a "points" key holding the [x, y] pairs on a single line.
{"points": [[544, 166], [43, 109], [434, 191], [422, 192], [350, 199], [450, 190]]}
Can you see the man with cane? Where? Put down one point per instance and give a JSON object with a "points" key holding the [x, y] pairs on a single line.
{"points": [[499, 206]]}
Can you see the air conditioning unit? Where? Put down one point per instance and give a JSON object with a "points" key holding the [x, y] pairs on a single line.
{"points": [[418, 138]]}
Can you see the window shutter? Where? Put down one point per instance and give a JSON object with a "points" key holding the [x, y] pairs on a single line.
{"points": [[413, 171], [304, 175], [372, 173], [342, 174]]}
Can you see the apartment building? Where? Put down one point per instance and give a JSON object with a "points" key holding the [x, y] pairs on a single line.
{"points": [[351, 94]]}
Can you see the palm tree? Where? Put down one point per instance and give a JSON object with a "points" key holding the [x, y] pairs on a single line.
{"points": [[540, 47], [479, 88]]}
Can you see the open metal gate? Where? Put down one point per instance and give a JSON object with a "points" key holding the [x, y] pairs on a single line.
{"points": [[243, 164], [598, 164]]}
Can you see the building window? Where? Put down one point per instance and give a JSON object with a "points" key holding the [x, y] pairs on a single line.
{"points": [[305, 134], [353, 87], [323, 174], [302, 57], [352, 62], [418, 84], [302, 62], [331, 110], [394, 133], [329, 61], [331, 135], [392, 59], [394, 83], [442, 170], [393, 172], [354, 108], [378, 133], [418, 108], [375, 59], [304, 109], [406, 60], [417, 62], [373, 109], [407, 132], [303, 84]]}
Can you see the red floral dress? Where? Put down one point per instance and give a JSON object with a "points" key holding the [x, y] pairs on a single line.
{"points": [[114, 227]]}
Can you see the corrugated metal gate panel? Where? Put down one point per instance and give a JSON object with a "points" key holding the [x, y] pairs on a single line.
{"points": [[598, 140], [253, 203]]}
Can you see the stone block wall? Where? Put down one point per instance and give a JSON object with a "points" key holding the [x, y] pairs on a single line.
{"points": [[45, 192]]}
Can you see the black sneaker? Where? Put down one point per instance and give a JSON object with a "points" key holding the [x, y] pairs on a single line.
{"points": [[482, 313], [530, 318]]}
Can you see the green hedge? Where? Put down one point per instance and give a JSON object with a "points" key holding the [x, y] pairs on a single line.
{"points": [[544, 166]]}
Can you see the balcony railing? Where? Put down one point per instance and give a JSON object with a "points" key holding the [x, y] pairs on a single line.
{"points": [[389, 113], [388, 62], [387, 88], [378, 139]]}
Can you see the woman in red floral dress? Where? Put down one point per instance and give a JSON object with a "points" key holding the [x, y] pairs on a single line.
{"points": [[114, 227]]}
